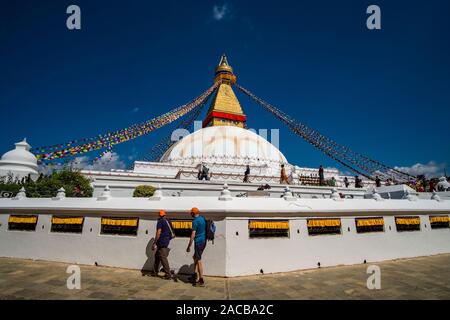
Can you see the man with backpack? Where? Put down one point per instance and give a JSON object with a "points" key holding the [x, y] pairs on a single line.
{"points": [[164, 234], [202, 230]]}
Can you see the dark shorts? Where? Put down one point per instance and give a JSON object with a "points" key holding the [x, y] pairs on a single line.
{"points": [[199, 251]]}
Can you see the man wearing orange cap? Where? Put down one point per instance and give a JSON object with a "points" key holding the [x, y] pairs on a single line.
{"points": [[163, 236], [198, 235]]}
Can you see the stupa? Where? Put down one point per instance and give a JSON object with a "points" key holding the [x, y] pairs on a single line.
{"points": [[225, 146], [19, 162], [279, 229]]}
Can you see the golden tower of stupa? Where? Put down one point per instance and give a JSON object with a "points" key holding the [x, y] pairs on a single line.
{"points": [[225, 109]]}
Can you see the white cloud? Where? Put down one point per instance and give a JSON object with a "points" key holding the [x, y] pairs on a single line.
{"points": [[108, 161], [46, 169], [430, 170], [220, 12], [133, 155], [136, 109]]}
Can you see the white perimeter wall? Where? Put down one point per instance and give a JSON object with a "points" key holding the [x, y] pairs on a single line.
{"points": [[231, 254], [247, 256], [132, 252]]}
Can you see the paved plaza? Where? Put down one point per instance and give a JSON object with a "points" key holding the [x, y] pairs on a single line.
{"points": [[418, 278]]}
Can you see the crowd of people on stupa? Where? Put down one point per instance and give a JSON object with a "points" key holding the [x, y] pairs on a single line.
{"points": [[420, 184]]}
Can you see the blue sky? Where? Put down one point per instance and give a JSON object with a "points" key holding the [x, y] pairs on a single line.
{"points": [[384, 93]]}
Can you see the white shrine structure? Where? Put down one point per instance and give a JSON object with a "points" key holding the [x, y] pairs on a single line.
{"points": [[19, 162]]}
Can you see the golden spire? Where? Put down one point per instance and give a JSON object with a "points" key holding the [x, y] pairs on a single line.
{"points": [[225, 109], [224, 72], [223, 65]]}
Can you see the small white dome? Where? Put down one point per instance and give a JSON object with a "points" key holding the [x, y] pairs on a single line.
{"points": [[19, 161], [224, 145]]}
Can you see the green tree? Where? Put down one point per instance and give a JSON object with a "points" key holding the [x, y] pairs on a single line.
{"points": [[46, 186], [8, 185], [144, 191], [75, 184]]}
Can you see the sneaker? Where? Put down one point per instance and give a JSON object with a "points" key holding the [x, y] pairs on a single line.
{"points": [[167, 277], [200, 283]]}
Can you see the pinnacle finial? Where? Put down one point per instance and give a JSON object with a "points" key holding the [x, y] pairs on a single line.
{"points": [[225, 194], [223, 60], [106, 194], [21, 194], [157, 195], [224, 72]]}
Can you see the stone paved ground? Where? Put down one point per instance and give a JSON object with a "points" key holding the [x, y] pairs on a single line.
{"points": [[418, 278]]}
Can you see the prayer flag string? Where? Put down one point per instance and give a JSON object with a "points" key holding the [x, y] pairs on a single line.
{"points": [[108, 140], [356, 162]]}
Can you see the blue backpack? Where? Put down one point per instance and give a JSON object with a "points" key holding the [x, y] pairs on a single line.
{"points": [[210, 230]]}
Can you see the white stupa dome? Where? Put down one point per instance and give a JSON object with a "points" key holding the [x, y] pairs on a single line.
{"points": [[224, 145], [20, 161]]}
